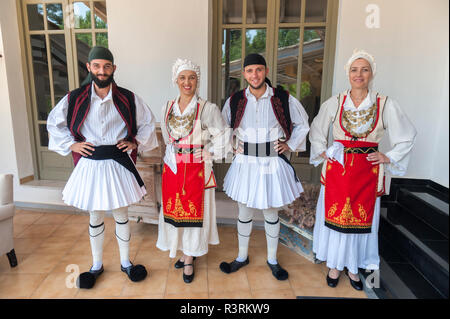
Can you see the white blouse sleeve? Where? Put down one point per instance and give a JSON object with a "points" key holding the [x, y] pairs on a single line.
{"points": [[320, 126], [226, 112], [299, 118], [218, 130], [60, 138], [145, 121], [402, 135]]}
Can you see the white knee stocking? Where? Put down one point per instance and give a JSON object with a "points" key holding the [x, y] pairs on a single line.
{"points": [[244, 228], [272, 228], [97, 236], [123, 234]]}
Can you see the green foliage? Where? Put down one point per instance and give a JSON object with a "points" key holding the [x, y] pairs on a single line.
{"points": [[288, 37], [305, 89], [55, 15], [257, 44]]}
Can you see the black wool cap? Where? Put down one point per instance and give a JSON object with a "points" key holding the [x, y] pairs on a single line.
{"points": [[254, 58]]}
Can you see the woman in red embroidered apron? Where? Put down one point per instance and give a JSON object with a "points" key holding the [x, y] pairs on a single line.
{"points": [[195, 134], [348, 209]]}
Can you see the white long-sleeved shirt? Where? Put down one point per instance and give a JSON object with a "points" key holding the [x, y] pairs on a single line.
{"points": [[103, 125], [259, 123]]}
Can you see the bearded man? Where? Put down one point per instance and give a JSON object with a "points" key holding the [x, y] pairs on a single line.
{"points": [[103, 125]]}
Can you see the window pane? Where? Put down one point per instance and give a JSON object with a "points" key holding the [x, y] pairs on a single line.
{"points": [[59, 66], [35, 16], [256, 11], [100, 15], [290, 11], [287, 60], [43, 135], [316, 11], [231, 63], [232, 11], [101, 39], [82, 14], [55, 17], [312, 67], [41, 78], [84, 44], [255, 41]]}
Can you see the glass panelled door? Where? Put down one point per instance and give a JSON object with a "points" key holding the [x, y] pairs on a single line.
{"points": [[58, 36], [293, 36]]}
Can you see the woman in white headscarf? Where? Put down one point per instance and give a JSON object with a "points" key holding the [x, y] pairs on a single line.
{"points": [[348, 209], [195, 134]]}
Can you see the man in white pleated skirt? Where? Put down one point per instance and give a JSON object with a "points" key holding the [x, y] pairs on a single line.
{"points": [[103, 125], [267, 122]]}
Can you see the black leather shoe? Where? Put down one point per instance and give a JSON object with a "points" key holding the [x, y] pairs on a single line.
{"points": [[233, 266], [87, 279], [358, 285], [278, 272], [180, 264], [188, 278], [135, 273], [332, 282]]}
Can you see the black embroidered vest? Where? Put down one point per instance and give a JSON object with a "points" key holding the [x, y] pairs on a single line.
{"points": [[80, 102], [280, 106]]}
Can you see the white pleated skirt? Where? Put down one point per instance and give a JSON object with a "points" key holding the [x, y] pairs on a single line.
{"points": [[101, 185], [261, 182], [192, 241], [341, 250]]}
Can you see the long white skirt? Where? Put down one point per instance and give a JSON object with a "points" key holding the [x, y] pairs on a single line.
{"points": [[101, 185], [261, 182], [341, 250], [192, 241]]}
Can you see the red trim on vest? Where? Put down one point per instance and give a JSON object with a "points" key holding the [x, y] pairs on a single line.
{"points": [[240, 110]]}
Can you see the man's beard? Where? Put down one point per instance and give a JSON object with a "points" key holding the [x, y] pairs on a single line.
{"points": [[257, 87], [103, 83]]}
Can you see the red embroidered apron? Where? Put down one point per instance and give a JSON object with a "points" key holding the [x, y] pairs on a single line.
{"points": [[351, 191], [183, 192]]}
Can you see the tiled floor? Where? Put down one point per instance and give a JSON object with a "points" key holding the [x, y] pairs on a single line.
{"points": [[51, 247]]}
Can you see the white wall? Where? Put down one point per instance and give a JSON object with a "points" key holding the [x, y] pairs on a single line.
{"points": [[146, 37], [411, 52]]}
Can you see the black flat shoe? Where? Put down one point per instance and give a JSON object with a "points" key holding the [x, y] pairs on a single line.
{"points": [[179, 264], [332, 282], [188, 278], [233, 266], [358, 285], [87, 279], [278, 272], [135, 272]]}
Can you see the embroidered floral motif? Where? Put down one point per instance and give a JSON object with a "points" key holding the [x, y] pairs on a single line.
{"points": [[192, 208], [332, 210], [169, 205], [346, 217], [362, 212]]}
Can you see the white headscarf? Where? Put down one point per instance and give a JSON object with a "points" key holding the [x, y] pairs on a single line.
{"points": [[183, 65], [361, 54]]}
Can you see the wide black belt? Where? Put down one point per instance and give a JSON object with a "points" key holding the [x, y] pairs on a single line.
{"points": [[266, 150], [104, 152]]}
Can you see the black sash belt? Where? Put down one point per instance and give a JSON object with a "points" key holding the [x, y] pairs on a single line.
{"points": [[266, 150], [105, 152]]}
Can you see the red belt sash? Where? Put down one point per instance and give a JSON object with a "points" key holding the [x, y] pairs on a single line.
{"points": [[351, 191], [183, 193]]}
